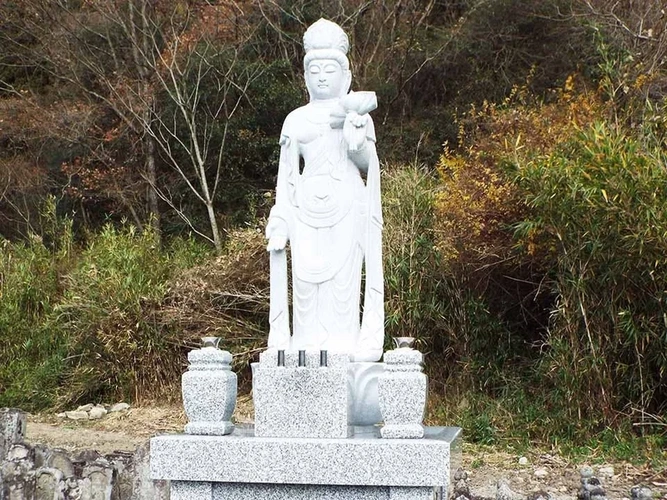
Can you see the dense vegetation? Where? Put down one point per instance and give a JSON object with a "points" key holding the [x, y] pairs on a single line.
{"points": [[524, 189]]}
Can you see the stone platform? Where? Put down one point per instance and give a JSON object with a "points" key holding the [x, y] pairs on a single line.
{"points": [[362, 466]]}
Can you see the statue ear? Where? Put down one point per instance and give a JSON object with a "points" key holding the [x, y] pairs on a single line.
{"points": [[348, 83], [310, 94]]}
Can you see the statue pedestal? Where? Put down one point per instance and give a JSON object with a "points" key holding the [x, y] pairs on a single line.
{"points": [[362, 466], [303, 444]]}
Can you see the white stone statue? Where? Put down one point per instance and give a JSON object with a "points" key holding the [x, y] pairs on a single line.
{"points": [[331, 217]]}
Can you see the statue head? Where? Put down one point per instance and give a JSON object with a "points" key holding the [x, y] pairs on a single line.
{"points": [[327, 69]]}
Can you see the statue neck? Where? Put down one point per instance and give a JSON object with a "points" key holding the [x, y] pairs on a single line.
{"points": [[324, 103]]}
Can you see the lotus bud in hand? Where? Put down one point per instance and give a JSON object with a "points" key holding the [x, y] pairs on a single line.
{"points": [[351, 115]]}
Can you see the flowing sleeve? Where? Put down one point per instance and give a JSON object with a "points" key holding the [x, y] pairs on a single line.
{"points": [[371, 341], [288, 168], [370, 130], [279, 221]]}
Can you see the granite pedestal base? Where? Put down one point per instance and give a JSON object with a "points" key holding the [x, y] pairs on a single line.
{"points": [[362, 466], [187, 490]]}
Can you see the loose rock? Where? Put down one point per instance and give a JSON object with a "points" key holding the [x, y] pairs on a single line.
{"points": [[77, 415], [523, 461], [586, 472], [85, 407], [504, 492], [461, 490], [19, 451], [591, 488], [119, 407], [539, 495], [641, 493], [97, 412], [606, 472], [541, 473]]}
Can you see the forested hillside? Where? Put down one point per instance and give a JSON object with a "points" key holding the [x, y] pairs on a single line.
{"points": [[524, 190]]}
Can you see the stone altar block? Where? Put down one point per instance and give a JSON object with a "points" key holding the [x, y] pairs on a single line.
{"points": [[362, 466], [301, 402]]}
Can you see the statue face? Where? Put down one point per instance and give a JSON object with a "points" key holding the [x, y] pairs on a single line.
{"points": [[325, 79]]}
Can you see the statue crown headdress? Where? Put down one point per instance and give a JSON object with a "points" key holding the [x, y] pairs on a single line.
{"points": [[325, 35]]}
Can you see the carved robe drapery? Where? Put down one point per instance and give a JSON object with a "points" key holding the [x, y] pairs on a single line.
{"points": [[333, 222]]}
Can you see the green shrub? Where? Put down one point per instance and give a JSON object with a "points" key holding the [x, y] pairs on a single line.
{"points": [[561, 322], [30, 288], [428, 294], [412, 302], [598, 220], [80, 322], [117, 347], [32, 355]]}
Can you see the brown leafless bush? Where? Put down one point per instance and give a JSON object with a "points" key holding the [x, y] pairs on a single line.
{"points": [[227, 296]]}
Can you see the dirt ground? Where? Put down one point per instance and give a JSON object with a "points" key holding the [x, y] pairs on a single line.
{"points": [[484, 465]]}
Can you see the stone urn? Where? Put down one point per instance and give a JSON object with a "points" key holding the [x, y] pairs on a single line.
{"points": [[402, 390], [209, 390]]}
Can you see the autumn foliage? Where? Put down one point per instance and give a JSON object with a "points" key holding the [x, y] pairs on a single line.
{"points": [[523, 183]]}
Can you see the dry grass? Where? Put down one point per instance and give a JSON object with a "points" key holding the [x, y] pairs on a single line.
{"points": [[227, 296]]}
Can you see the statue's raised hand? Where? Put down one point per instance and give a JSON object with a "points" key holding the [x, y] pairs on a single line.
{"points": [[354, 130]]}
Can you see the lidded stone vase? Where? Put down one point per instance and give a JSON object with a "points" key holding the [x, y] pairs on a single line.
{"points": [[402, 391], [209, 390]]}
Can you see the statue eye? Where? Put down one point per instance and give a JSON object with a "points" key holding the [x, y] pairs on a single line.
{"points": [[314, 70], [330, 68]]}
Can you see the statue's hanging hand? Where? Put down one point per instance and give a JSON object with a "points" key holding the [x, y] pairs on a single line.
{"points": [[276, 233], [354, 131]]}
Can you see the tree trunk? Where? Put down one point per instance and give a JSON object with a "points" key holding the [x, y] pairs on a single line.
{"points": [[217, 241], [140, 41], [151, 177]]}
